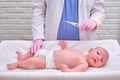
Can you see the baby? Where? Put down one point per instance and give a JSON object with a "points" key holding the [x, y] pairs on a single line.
{"points": [[66, 60]]}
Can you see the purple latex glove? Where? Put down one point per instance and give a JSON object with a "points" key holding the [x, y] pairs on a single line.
{"points": [[37, 44], [88, 25]]}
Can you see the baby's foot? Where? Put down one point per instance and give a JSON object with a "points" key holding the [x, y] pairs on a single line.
{"points": [[20, 56], [12, 66]]}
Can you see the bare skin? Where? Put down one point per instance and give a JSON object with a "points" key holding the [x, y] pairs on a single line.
{"points": [[66, 60]]}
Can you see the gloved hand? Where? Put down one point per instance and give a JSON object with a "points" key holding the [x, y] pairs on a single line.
{"points": [[37, 44], [88, 25]]}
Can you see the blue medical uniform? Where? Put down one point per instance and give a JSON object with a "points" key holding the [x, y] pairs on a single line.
{"points": [[70, 13]]}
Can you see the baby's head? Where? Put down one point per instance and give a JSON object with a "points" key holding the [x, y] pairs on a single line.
{"points": [[97, 57]]}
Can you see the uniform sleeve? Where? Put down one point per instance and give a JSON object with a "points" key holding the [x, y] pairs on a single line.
{"points": [[38, 18], [98, 11]]}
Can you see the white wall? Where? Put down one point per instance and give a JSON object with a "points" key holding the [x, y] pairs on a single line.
{"points": [[110, 29], [15, 20]]}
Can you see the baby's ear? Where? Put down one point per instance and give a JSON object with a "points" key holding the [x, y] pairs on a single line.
{"points": [[90, 49]]}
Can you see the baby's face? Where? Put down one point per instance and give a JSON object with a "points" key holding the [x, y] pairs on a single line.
{"points": [[97, 57]]}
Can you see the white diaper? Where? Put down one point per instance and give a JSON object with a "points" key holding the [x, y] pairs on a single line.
{"points": [[49, 57]]}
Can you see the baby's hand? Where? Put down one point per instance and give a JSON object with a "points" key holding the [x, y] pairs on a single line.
{"points": [[64, 68], [62, 44]]}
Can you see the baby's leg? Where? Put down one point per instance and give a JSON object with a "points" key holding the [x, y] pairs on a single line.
{"points": [[12, 66], [32, 62], [22, 57]]}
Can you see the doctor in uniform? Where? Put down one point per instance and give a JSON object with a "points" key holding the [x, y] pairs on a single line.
{"points": [[49, 16]]}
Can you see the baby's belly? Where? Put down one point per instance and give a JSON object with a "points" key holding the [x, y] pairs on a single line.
{"points": [[60, 59]]}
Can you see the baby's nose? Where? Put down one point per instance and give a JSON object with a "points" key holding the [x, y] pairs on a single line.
{"points": [[99, 57]]}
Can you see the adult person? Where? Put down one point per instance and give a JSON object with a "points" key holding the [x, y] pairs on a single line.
{"points": [[49, 17]]}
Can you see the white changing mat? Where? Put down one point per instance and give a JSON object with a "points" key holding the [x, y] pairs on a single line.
{"points": [[109, 72]]}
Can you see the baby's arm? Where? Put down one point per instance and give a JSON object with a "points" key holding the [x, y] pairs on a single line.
{"points": [[80, 68], [62, 44]]}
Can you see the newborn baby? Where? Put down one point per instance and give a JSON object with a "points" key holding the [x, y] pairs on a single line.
{"points": [[66, 59]]}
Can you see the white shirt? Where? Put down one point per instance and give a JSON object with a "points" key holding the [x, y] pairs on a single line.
{"points": [[47, 15]]}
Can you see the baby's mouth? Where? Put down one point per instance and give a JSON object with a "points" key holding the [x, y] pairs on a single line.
{"points": [[94, 59]]}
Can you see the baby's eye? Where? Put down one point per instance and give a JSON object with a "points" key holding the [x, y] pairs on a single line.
{"points": [[98, 53]]}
